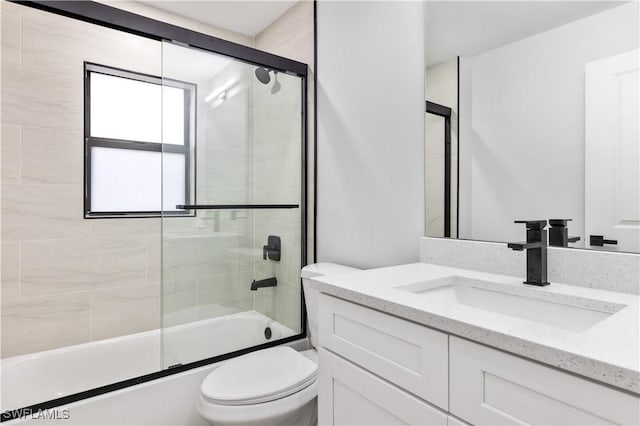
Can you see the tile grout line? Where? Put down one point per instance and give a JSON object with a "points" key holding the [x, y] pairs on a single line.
{"points": [[19, 270], [91, 316]]}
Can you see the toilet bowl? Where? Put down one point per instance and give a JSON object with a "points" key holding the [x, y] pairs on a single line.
{"points": [[274, 386]]}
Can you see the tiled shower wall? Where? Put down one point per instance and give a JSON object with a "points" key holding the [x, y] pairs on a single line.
{"points": [[291, 36], [65, 279]]}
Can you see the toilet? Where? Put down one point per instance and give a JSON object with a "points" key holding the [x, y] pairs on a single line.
{"points": [[274, 386]]}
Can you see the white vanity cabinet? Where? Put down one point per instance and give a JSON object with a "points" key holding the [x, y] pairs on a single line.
{"points": [[350, 395], [375, 368], [490, 387]]}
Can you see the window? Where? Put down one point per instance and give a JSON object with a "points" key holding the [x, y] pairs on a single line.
{"points": [[139, 143]]}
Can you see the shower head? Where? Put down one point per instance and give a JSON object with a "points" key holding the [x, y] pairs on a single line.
{"points": [[276, 84], [262, 74]]}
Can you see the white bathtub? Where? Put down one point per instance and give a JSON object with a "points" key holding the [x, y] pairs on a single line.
{"points": [[42, 376]]}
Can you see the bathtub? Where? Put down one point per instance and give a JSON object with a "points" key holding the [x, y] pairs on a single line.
{"points": [[42, 376]]}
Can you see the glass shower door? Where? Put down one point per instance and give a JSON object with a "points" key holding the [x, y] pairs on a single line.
{"points": [[232, 195]]}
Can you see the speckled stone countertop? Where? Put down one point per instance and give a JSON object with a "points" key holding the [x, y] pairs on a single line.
{"points": [[608, 351]]}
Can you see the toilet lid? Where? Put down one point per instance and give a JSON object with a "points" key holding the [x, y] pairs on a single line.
{"points": [[260, 376]]}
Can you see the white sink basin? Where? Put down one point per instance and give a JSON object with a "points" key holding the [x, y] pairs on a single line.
{"points": [[524, 302]]}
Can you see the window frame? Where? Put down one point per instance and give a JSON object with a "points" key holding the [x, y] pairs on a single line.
{"points": [[187, 149]]}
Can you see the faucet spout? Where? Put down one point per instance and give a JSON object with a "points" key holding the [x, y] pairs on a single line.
{"points": [[536, 247], [267, 282], [523, 245]]}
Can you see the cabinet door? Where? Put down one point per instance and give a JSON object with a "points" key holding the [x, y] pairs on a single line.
{"points": [[349, 395], [407, 354], [492, 387]]}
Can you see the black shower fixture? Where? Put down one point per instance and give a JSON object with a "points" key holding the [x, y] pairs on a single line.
{"points": [[262, 74]]}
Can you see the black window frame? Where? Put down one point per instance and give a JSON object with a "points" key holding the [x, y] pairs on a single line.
{"points": [[187, 149]]}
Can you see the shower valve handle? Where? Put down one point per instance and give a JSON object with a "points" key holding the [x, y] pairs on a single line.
{"points": [[272, 250]]}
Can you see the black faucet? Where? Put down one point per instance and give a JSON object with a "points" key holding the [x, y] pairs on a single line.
{"points": [[536, 247], [268, 282], [559, 233]]}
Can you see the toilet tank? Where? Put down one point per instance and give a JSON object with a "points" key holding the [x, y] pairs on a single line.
{"points": [[311, 295]]}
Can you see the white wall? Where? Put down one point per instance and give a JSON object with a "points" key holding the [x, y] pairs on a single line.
{"points": [[522, 125], [370, 132]]}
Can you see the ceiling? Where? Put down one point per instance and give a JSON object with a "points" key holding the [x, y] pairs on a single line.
{"points": [[244, 17], [467, 28]]}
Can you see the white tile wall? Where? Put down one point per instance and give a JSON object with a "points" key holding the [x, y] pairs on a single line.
{"points": [[34, 98], [50, 156], [29, 325], [65, 279], [39, 212], [63, 266], [11, 146], [11, 34], [117, 311], [10, 271]]}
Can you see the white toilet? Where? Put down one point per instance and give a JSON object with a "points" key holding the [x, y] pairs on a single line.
{"points": [[275, 386]]}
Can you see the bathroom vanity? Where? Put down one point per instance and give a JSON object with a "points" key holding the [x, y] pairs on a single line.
{"points": [[431, 344]]}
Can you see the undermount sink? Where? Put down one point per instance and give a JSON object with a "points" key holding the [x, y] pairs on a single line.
{"points": [[527, 303]]}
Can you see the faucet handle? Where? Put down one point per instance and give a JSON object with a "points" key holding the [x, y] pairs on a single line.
{"points": [[599, 241], [533, 224], [559, 222]]}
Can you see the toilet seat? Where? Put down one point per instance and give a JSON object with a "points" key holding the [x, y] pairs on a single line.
{"points": [[269, 413], [259, 377]]}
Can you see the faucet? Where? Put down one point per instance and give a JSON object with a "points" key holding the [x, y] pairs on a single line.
{"points": [[559, 233], [267, 282], [536, 247]]}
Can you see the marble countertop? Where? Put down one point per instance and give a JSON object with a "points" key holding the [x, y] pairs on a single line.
{"points": [[608, 351]]}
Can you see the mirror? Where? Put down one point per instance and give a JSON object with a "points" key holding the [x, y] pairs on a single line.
{"points": [[532, 113]]}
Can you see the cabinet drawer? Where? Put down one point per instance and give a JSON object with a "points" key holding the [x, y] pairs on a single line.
{"points": [[492, 387], [349, 395], [409, 355]]}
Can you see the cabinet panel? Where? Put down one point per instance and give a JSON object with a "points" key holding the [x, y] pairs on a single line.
{"points": [[409, 355], [349, 395], [491, 387]]}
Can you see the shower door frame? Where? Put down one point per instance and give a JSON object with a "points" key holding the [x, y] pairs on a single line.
{"points": [[444, 112], [118, 19]]}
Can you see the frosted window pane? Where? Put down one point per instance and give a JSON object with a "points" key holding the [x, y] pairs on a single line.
{"points": [[173, 169], [127, 109], [125, 180], [173, 115], [122, 108]]}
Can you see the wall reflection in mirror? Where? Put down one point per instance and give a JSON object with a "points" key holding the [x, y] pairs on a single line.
{"points": [[544, 109]]}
